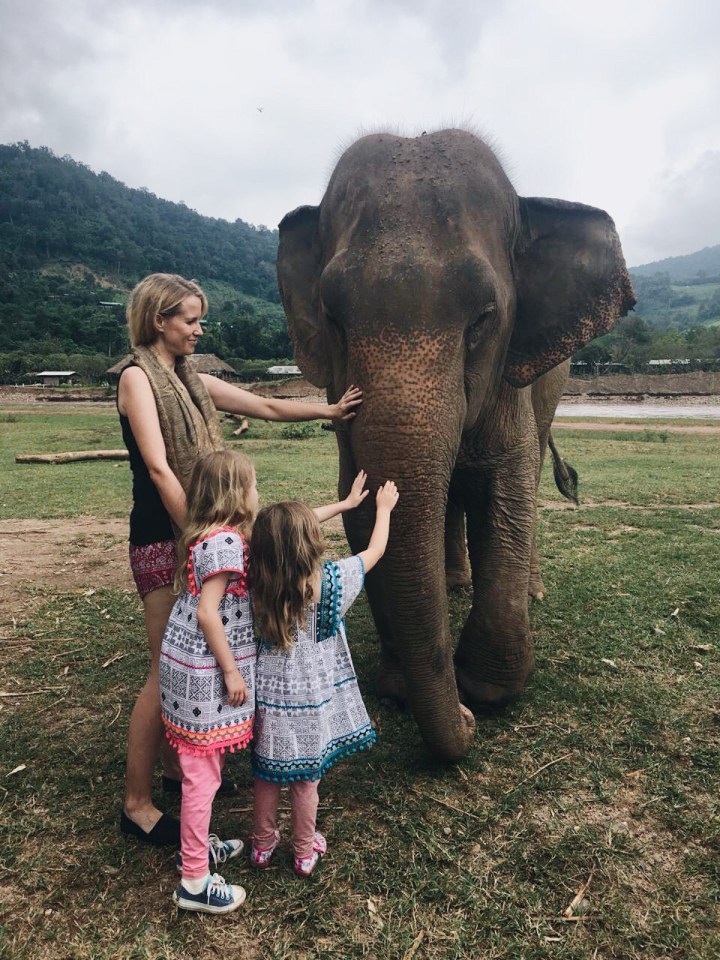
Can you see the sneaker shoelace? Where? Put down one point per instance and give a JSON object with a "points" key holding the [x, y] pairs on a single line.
{"points": [[218, 849], [218, 888]]}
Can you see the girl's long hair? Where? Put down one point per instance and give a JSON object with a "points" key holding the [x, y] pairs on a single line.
{"points": [[218, 496], [286, 549]]}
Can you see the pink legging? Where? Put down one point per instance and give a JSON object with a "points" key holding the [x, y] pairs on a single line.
{"points": [[201, 779], [303, 809]]}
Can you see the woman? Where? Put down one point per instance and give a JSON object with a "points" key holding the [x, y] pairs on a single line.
{"points": [[168, 418]]}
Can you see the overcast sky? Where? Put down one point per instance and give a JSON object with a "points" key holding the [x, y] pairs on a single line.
{"points": [[240, 107]]}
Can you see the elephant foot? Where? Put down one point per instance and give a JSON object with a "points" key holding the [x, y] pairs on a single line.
{"points": [[483, 695], [536, 588], [457, 579]]}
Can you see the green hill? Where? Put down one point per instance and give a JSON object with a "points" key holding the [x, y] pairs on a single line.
{"points": [[73, 243], [679, 292], [693, 266], [676, 318], [72, 240]]}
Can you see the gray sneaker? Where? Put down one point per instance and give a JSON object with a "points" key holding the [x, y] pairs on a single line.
{"points": [[217, 897], [220, 851]]}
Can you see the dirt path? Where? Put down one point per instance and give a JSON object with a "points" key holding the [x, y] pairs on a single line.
{"points": [[52, 555], [77, 554]]}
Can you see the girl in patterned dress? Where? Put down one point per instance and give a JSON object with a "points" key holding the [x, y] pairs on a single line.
{"points": [[309, 712], [207, 665]]}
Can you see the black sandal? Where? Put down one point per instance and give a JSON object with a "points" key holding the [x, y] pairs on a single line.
{"points": [[165, 833]]}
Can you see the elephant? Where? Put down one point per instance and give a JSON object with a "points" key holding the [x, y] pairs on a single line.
{"points": [[423, 277]]}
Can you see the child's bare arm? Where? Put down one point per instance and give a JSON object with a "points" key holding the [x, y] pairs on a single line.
{"points": [[354, 498], [213, 631], [387, 497]]}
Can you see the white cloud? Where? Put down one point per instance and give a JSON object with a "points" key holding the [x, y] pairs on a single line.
{"points": [[610, 103], [681, 211]]}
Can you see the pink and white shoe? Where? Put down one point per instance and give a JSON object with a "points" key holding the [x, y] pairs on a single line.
{"points": [[304, 866], [262, 858]]}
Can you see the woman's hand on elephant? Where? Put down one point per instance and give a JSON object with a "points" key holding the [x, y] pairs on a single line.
{"points": [[387, 496], [343, 409], [357, 491]]}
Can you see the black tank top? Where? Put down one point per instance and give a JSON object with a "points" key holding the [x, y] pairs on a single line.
{"points": [[149, 520]]}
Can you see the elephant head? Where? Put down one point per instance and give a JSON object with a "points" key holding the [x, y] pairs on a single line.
{"points": [[423, 277]]}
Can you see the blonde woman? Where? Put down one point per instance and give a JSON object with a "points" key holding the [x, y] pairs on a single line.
{"points": [[168, 419]]}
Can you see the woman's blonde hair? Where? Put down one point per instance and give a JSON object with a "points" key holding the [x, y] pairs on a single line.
{"points": [[218, 496], [160, 294], [286, 550]]}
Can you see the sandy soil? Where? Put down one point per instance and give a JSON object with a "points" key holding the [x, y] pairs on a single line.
{"points": [[46, 556]]}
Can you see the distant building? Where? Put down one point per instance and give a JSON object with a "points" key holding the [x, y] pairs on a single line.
{"points": [[668, 363], [289, 371], [53, 378], [203, 363]]}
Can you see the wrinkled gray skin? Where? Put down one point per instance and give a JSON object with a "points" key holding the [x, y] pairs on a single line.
{"points": [[425, 279]]}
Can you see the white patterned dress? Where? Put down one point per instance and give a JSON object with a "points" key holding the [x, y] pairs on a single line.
{"points": [[309, 712], [193, 698]]}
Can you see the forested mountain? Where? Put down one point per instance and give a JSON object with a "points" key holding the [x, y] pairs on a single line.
{"points": [[702, 264], [72, 240], [676, 318], [73, 243]]}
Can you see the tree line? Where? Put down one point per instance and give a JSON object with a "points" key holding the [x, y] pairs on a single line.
{"points": [[72, 245]]}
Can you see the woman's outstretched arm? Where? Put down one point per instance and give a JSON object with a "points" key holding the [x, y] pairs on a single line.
{"points": [[232, 399]]}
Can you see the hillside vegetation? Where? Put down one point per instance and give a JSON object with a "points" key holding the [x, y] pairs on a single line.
{"points": [[72, 240], [73, 243]]}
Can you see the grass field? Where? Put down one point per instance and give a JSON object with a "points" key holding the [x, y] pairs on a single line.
{"points": [[601, 781]]}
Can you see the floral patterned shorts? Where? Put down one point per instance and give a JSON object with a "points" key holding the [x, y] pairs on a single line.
{"points": [[153, 565]]}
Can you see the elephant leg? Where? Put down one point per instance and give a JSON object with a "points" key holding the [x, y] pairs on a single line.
{"points": [[536, 587], [545, 394], [457, 565], [495, 656]]}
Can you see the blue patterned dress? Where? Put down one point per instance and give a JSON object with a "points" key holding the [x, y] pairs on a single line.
{"points": [[193, 698], [309, 712]]}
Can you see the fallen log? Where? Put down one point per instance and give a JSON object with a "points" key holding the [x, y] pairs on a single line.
{"points": [[72, 457]]}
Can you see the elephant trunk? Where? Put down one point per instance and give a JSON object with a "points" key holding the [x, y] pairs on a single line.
{"points": [[407, 589]]}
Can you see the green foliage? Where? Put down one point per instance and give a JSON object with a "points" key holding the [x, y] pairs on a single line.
{"points": [[71, 239], [299, 431]]}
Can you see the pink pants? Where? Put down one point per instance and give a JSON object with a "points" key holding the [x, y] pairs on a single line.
{"points": [[303, 809], [201, 779]]}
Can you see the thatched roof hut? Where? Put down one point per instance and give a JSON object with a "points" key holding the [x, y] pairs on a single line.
{"points": [[203, 363]]}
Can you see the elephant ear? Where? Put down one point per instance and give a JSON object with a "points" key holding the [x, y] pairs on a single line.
{"points": [[572, 285], [298, 271]]}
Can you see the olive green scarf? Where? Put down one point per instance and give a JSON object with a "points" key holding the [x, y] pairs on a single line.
{"points": [[180, 395]]}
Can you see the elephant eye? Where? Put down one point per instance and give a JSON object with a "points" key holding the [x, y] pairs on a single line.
{"points": [[473, 334]]}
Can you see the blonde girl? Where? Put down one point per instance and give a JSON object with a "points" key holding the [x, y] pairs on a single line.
{"points": [[207, 665], [309, 711]]}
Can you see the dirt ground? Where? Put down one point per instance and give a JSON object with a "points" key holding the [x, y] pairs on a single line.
{"points": [[34, 557], [34, 554]]}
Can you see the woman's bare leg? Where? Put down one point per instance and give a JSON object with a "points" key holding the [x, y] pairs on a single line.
{"points": [[145, 733]]}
